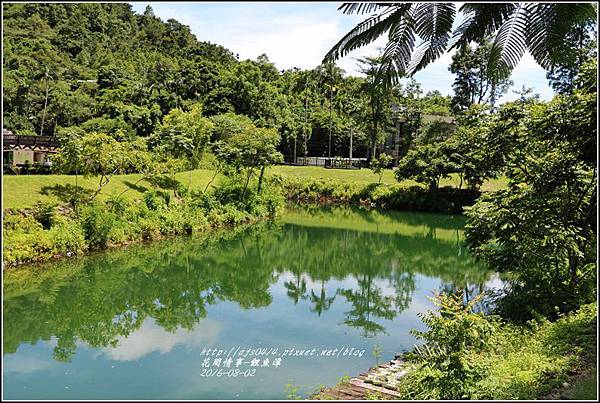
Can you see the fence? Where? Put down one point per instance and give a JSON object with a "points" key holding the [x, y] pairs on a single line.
{"points": [[326, 162]]}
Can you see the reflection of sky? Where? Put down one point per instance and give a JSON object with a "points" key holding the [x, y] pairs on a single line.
{"points": [[150, 338], [152, 363]]}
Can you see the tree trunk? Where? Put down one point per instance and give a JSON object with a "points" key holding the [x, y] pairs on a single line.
{"points": [[210, 181], [260, 179], [246, 185], [45, 106]]}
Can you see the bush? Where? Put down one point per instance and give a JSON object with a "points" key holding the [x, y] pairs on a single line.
{"points": [[498, 362], [156, 199], [68, 238], [455, 333], [97, 223], [397, 197], [44, 233], [44, 214]]}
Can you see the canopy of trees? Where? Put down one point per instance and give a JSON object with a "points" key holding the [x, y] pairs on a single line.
{"points": [[104, 68]]}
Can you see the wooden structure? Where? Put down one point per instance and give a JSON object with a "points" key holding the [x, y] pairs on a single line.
{"points": [[369, 384], [12, 141], [27, 151]]}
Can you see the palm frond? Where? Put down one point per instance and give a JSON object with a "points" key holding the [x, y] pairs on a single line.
{"points": [[548, 25], [433, 23], [481, 20], [361, 8], [398, 50], [509, 45], [367, 31]]}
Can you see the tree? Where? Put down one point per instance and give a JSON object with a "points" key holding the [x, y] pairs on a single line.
{"points": [[427, 164], [542, 228], [98, 154], [538, 28], [582, 46], [454, 333], [250, 148], [379, 164], [378, 96], [184, 135], [474, 82]]}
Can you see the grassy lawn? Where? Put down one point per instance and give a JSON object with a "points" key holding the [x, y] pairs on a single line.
{"points": [[366, 176], [24, 191]]}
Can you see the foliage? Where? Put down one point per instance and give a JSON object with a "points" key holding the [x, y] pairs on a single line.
{"points": [[427, 164], [44, 213], [471, 149], [118, 220], [98, 154], [183, 135], [454, 333], [581, 46], [393, 197], [535, 27], [97, 223], [474, 82], [378, 164], [250, 148], [514, 362], [542, 228]]}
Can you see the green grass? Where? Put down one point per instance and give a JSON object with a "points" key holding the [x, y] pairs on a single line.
{"points": [[25, 190], [366, 176]]}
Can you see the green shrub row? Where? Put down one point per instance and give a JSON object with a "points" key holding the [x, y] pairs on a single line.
{"points": [[394, 197], [510, 362], [44, 232]]}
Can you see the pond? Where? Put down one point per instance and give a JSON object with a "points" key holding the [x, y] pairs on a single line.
{"points": [[317, 294]]}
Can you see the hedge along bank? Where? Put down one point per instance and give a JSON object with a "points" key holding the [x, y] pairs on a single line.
{"points": [[45, 232], [446, 200]]}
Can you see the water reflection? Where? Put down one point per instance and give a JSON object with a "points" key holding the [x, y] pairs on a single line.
{"points": [[124, 302]]}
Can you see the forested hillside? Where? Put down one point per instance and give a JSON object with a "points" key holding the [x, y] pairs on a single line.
{"points": [[105, 68]]}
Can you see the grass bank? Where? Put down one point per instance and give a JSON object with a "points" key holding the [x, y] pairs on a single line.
{"points": [[24, 191], [539, 360], [400, 197], [45, 232]]}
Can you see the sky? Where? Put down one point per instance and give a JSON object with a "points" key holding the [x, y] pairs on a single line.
{"points": [[297, 34]]}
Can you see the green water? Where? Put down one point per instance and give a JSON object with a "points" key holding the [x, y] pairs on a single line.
{"points": [[338, 284]]}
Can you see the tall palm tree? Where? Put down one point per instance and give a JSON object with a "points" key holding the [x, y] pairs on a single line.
{"points": [[539, 28]]}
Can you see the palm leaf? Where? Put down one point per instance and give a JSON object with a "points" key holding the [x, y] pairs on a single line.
{"points": [[433, 23], [481, 20], [367, 31], [548, 25], [510, 44], [361, 8], [398, 50]]}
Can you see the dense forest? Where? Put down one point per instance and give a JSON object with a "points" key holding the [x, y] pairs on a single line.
{"points": [[104, 68]]}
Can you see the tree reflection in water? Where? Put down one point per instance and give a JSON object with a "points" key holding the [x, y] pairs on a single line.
{"points": [[101, 298]]}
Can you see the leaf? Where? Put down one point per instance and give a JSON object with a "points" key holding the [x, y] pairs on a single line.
{"points": [[367, 31], [509, 45], [433, 24]]}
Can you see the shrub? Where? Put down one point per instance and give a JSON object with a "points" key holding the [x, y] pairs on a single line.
{"points": [[44, 213], [68, 238], [156, 199], [455, 333], [97, 223]]}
